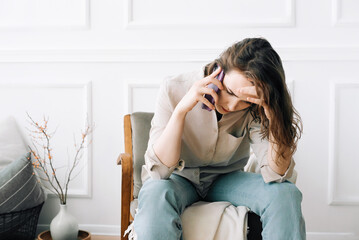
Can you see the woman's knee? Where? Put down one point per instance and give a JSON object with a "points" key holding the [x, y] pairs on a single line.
{"points": [[158, 215], [157, 190], [285, 191]]}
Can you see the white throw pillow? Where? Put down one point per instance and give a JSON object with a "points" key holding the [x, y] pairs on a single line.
{"points": [[12, 144]]}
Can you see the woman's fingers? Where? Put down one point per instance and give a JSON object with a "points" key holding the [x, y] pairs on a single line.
{"points": [[211, 92], [250, 91], [250, 95], [212, 78], [214, 81], [216, 72], [208, 85], [255, 100], [206, 102], [261, 103]]}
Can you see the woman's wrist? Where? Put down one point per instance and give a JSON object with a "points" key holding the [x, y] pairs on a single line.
{"points": [[179, 112]]}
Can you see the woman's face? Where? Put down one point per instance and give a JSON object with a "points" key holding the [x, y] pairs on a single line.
{"points": [[230, 99]]}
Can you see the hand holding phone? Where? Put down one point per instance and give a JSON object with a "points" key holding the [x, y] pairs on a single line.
{"points": [[220, 77]]}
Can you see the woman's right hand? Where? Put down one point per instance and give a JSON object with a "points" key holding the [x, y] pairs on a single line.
{"points": [[197, 91]]}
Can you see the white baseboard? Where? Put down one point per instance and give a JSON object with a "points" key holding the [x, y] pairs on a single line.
{"points": [[331, 236], [94, 229], [115, 230]]}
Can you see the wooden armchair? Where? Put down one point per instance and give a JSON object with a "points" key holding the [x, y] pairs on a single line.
{"points": [[136, 133], [136, 129]]}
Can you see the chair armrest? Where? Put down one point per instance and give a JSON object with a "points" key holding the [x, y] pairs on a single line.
{"points": [[124, 159]]}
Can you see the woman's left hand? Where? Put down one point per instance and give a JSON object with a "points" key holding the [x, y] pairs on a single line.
{"points": [[249, 94]]}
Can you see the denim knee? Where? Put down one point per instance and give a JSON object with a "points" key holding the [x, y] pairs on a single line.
{"points": [[285, 191], [158, 192], [159, 210], [283, 208]]}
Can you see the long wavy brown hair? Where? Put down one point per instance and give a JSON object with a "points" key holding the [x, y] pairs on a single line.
{"points": [[256, 58]]}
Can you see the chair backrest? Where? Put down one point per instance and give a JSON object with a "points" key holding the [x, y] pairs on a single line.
{"points": [[140, 126]]}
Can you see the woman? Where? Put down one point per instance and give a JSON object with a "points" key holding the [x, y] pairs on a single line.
{"points": [[194, 154]]}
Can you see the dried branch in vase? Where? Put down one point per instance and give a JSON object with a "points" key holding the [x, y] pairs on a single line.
{"points": [[44, 160]]}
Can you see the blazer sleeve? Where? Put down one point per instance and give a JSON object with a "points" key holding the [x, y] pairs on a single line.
{"points": [[260, 149], [153, 167]]}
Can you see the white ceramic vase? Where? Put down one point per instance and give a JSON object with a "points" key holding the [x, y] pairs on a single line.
{"points": [[64, 226]]}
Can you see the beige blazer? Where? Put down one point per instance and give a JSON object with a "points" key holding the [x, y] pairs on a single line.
{"points": [[209, 147]]}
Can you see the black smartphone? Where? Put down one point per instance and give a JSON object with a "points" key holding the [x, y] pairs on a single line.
{"points": [[220, 77]]}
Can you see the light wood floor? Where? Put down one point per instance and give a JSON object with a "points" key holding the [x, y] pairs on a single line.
{"points": [[98, 237]]}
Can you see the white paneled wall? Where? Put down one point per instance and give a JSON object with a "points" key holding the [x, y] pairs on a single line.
{"points": [[40, 14], [344, 142], [68, 105], [106, 58], [149, 14]]}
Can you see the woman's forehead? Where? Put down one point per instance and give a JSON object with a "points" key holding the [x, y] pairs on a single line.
{"points": [[235, 79]]}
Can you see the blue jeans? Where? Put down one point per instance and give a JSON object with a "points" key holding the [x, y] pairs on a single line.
{"points": [[161, 202]]}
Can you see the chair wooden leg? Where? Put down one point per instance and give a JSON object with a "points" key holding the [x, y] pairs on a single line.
{"points": [[125, 160]]}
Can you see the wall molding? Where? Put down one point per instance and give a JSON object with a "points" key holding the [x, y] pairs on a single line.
{"points": [[128, 94], [337, 18], [333, 198], [86, 190], [288, 21], [167, 55], [85, 25], [331, 236], [290, 85]]}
